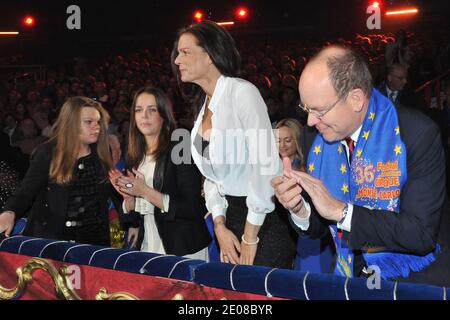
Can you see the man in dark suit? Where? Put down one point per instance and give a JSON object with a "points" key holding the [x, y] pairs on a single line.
{"points": [[395, 88], [386, 210]]}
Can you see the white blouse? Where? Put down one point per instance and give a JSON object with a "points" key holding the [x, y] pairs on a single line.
{"points": [[243, 156], [152, 241]]}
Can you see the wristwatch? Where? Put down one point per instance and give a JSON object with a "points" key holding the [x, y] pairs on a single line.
{"points": [[344, 214]]}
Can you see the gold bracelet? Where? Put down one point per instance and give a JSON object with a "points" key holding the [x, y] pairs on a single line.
{"points": [[249, 243]]}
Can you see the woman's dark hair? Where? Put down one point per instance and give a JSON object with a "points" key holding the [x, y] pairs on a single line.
{"points": [[221, 48], [137, 146]]}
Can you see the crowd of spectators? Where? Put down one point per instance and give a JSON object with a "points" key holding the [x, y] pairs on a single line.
{"points": [[29, 106]]}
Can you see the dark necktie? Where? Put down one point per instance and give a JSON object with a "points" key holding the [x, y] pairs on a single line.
{"points": [[392, 96], [351, 148], [358, 263]]}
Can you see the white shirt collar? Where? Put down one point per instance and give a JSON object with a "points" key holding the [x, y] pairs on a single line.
{"points": [[218, 90], [389, 91], [354, 136]]}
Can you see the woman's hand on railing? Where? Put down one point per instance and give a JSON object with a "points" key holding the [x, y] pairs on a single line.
{"points": [[7, 222], [132, 237], [230, 247]]}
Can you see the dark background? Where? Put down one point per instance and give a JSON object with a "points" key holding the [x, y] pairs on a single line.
{"points": [[118, 26]]}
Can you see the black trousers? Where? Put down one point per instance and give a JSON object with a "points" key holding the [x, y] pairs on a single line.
{"points": [[277, 239]]}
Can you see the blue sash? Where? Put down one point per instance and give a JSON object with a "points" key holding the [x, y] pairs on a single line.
{"points": [[374, 180]]}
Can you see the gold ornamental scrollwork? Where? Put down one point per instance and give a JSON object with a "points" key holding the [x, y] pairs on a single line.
{"points": [[178, 296], [103, 295], [60, 279], [25, 276]]}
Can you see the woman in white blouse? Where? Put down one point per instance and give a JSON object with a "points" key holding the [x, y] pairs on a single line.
{"points": [[165, 194], [232, 145]]}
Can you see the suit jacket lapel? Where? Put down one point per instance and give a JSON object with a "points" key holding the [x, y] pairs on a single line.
{"points": [[160, 168]]}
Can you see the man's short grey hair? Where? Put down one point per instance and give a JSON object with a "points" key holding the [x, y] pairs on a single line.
{"points": [[349, 71]]}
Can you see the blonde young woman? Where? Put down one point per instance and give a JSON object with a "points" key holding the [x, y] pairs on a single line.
{"points": [[287, 134], [65, 191]]}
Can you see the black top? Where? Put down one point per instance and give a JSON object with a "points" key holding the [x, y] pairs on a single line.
{"points": [[47, 203], [84, 222], [202, 146], [83, 194], [9, 180]]}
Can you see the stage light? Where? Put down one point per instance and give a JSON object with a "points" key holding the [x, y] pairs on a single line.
{"points": [[198, 15], [29, 21], [242, 13], [9, 33], [226, 23], [402, 12], [375, 4]]}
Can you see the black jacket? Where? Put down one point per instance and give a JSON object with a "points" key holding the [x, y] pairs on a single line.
{"points": [[44, 202], [406, 98], [182, 229]]}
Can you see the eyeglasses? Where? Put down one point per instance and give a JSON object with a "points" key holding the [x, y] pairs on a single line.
{"points": [[318, 114]]}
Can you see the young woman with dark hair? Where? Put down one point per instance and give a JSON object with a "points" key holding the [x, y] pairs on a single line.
{"points": [[166, 195]]}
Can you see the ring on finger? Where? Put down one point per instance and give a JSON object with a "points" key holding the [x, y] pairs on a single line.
{"points": [[129, 185]]}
